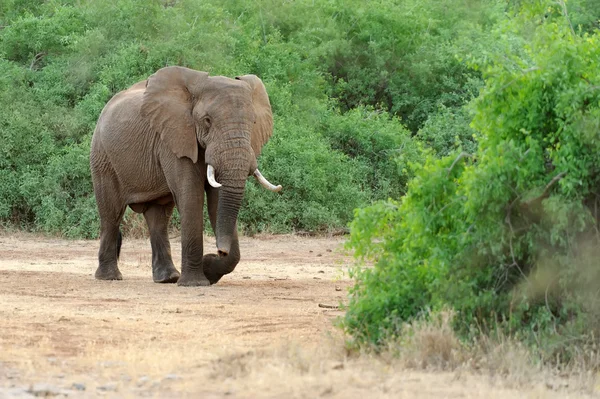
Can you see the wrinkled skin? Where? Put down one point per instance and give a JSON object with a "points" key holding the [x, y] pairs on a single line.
{"points": [[150, 151]]}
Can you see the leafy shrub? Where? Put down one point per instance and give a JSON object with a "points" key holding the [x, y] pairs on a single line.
{"points": [[378, 144], [447, 131], [504, 237], [415, 242], [60, 62], [320, 187], [401, 56]]}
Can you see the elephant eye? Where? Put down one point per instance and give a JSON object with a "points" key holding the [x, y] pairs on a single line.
{"points": [[207, 121]]}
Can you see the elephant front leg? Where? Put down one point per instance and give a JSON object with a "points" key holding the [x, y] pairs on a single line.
{"points": [[192, 273], [157, 216]]}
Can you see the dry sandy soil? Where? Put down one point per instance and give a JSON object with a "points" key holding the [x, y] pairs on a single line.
{"points": [[262, 331]]}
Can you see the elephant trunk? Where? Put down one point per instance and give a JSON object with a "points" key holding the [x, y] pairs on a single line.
{"points": [[230, 200], [232, 158]]}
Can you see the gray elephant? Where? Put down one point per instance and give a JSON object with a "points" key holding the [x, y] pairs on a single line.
{"points": [[166, 141]]}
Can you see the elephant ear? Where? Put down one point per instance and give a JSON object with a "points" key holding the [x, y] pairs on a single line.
{"points": [[263, 127], [168, 103]]}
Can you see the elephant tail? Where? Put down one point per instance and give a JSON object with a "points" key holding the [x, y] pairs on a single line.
{"points": [[119, 242]]}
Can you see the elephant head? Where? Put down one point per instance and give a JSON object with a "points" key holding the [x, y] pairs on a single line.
{"points": [[229, 119]]}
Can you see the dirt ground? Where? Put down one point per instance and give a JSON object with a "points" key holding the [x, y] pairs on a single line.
{"points": [[266, 330]]}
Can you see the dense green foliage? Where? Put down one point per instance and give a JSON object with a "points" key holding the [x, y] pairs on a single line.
{"points": [[343, 78], [506, 236]]}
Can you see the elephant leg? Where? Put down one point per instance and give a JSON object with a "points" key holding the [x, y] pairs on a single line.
{"points": [[111, 213], [216, 266], [157, 216], [190, 208], [110, 240]]}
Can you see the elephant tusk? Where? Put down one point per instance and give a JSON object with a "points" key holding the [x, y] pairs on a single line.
{"points": [[210, 175], [265, 183]]}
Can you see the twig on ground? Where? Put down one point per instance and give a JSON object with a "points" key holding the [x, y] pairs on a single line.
{"points": [[323, 305], [332, 233]]}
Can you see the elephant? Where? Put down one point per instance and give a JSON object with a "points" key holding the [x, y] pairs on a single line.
{"points": [[167, 141]]}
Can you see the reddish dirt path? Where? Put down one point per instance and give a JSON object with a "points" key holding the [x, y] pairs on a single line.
{"points": [[259, 332]]}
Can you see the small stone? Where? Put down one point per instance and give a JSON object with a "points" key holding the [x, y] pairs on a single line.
{"points": [[78, 386], [111, 386], [44, 389], [319, 254], [321, 271], [142, 380], [172, 377], [337, 288]]}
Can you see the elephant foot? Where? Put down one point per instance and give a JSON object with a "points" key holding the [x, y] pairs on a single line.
{"points": [[166, 275], [186, 280], [108, 274]]}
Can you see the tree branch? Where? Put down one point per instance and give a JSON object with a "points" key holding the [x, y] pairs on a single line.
{"points": [[546, 191], [562, 4], [458, 158], [36, 59], [508, 212]]}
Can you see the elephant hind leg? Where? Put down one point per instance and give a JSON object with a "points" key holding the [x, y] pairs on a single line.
{"points": [[110, 249], [119, 242], [157, 216], [111, 210]]}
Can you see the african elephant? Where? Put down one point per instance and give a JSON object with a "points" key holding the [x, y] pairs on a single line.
{"points": [[166, 141]]}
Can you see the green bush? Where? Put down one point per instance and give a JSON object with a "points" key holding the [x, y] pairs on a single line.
{"points": [[382, 149], [415, 242], [402, 56], [448, 130], [507, 237], [61, 61], [320, 189]]}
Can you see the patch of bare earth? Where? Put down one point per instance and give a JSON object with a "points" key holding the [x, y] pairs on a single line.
{"points": [[266, 330]]}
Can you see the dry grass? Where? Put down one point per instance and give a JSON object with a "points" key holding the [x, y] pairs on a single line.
{"points": [[431, 344], [295, 371], [134, 225]]}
